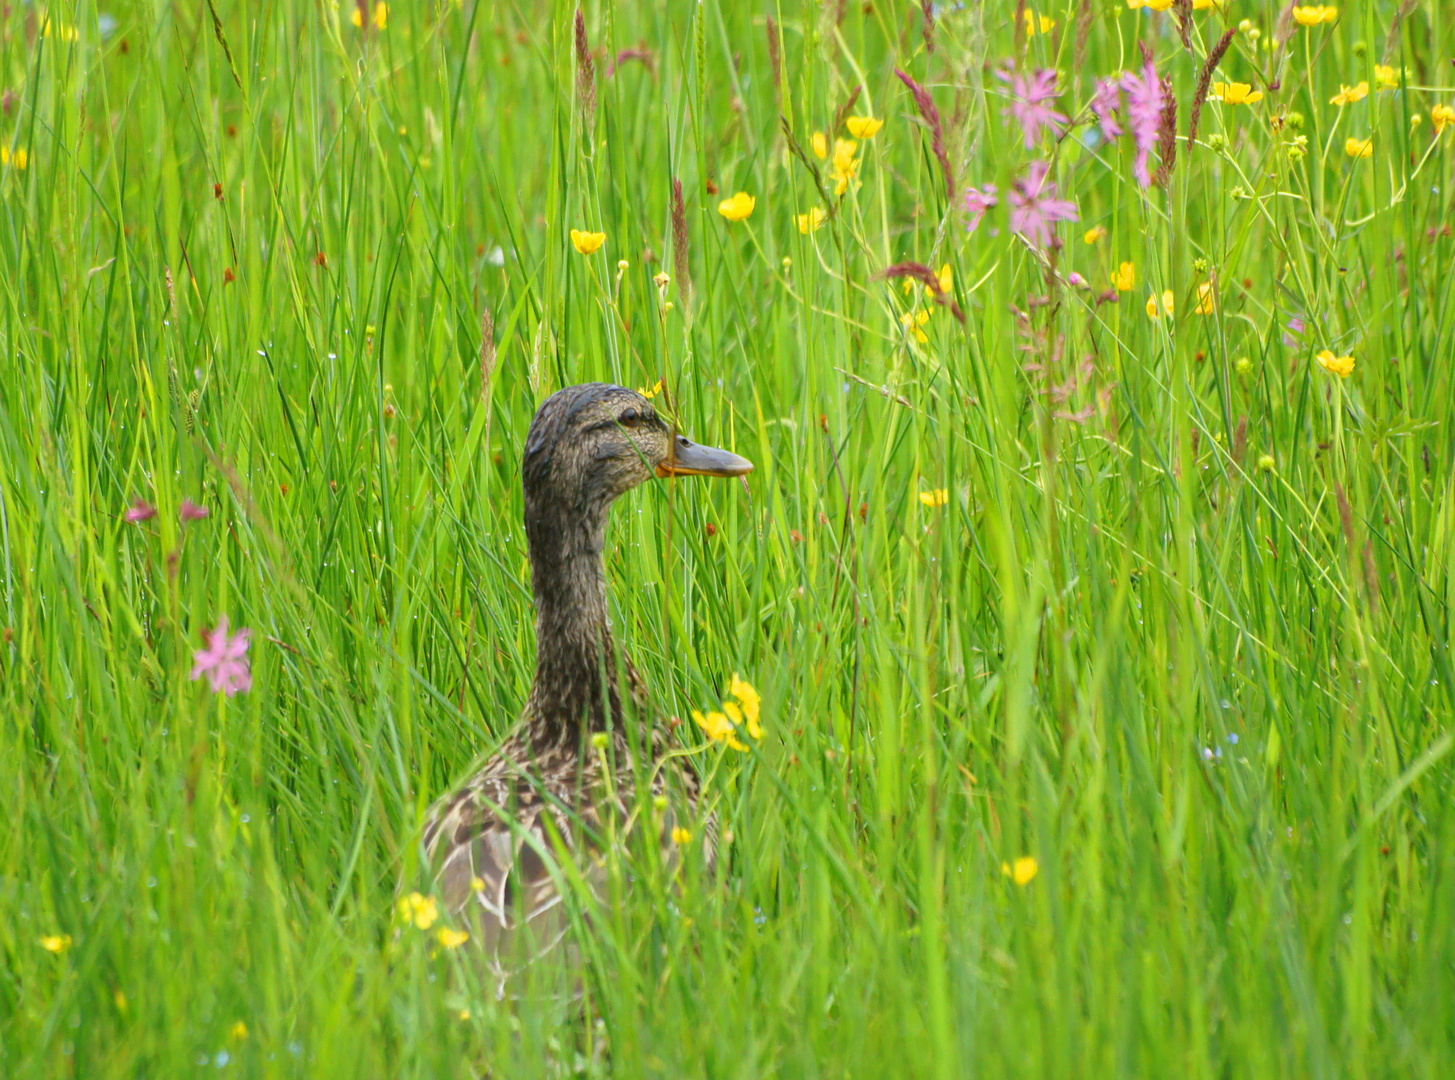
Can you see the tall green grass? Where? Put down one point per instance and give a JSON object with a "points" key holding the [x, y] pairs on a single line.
{"points": [[1187, 649]]}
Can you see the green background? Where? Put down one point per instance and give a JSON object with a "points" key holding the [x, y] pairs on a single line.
{"points": [[1159, 535]]}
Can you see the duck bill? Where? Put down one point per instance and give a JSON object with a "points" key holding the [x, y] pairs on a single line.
{"points": [[691, 459]]}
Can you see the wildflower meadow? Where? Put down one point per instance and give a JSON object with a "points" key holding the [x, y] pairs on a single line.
{"points": [[1069, 681]]}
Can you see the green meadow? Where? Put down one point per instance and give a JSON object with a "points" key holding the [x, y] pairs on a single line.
{"points": [[1096, 572]]}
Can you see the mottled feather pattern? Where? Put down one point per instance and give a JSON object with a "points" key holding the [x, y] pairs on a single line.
{"points": [[494, 840]]}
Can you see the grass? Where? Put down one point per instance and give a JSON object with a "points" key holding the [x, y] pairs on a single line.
{"points": [[1179, 632]]}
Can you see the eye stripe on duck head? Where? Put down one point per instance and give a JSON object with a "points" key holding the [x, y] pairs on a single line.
{"points": [[632, 419], [561, 412]]}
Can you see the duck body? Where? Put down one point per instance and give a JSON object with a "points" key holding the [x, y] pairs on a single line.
{"points": [[493, 840], [565, 784]]}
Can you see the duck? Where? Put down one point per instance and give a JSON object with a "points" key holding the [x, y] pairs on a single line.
{"points": [[584, 742]]}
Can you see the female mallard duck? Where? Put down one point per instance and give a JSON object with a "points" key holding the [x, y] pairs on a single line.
{"points": [[492, 840]]}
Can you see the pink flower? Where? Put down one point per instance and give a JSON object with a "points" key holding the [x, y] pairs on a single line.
{"points": [[224, 661], [192, 512], [1029, 103], [977, 201], [141, 510], [1077, 281], [1144, 113], [1035, 208], [1105, 104]]}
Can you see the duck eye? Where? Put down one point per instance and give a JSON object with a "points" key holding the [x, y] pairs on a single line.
{"points": [[630, 418]]}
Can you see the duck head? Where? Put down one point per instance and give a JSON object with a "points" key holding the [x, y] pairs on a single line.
{"points": [[590, 444]]}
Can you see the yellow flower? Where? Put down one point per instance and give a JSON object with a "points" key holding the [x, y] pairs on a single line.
{"points": [[21, 157], [1024, 870], [650, 392], [1095, 233], [1237, 93], [587, 243], [863, 127], [681, 836], [752, 704], [452, 939], [1442, 116], [936, 497], [846, 165], [1155, 5], [1207, 301], [718, 728], [1152, 312], [381, 15], [420, 910], [734, 713], [1387, 76], [1204, 5], [1359, 148], [811, 221], [238, 1032], [914, 323], [1314, 14], [65, 31], [1347, 95], [1039, 23], [820, 145], [56, 943], [1124, 277], [477, 884], [737, 208], [947, 279], [735, 716], [1342, 366]]}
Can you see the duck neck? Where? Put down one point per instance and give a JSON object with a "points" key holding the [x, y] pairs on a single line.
{"points": [[575, 688]]}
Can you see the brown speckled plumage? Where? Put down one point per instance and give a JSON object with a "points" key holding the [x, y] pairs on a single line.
{"points": [[493, 840]]}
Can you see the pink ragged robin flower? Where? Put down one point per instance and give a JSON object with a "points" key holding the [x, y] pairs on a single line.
{"points": [[1105, 104], [192, 512], [140, 511], [224, 661], [1144, 113], [1035, 208], [1030, 104], [977, 202]]}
